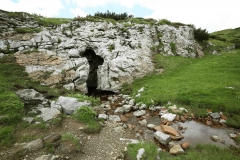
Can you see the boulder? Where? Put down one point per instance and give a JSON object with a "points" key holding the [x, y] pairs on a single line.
{"points": [[49, 113], [31, 97], [34, 145], [69, 104], [162, 137]]}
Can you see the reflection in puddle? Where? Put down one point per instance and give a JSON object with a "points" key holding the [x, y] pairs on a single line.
{"points": [[197, 133]]}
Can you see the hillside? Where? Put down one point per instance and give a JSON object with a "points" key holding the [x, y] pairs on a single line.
{"points": [[140, 69]]}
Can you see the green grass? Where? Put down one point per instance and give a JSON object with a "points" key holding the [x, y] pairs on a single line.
{"points": [[204, 152], [12, 78], [150, 150], [28, 30], [81, 97], [71, 138], [87, 116], [228, 34], [195, 83]]}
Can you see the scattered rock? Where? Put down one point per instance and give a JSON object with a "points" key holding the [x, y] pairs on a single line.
{"points": [[185, 145], [151, 126], [123, 118], [34, 145], [140, 153], [169, 116], [49, 113], [123, 109], [119, 129], [233, 136], [114, 118], [215, 138], [169, 130], [183, 119], [222, 116], [103, 116], [209, 122], [139, 113], [69, 104], [215, 115], [28, 119], [162, 137], [143, 122], [47, 157], [175, 150], [52, 138], [141, 90], [31, 97], [157, 128]]}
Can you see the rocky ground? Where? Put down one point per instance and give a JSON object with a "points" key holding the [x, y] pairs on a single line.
{"points": [[125, 122]]}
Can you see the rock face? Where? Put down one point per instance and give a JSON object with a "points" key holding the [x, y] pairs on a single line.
{"points": [[82, 54]]}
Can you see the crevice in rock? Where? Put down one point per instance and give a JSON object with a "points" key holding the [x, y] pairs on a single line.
{"points": [[94, 61]]}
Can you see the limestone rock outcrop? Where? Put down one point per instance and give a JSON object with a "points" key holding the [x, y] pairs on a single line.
{"points": [[82, 54]]}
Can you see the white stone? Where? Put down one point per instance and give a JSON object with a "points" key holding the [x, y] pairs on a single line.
{"points": [[169, 117], [103, 116], [114, 118], [162, 137], [151, 126], [70, 86], [131, 102], [69, 104], [123, 109], [141, 90], [139, 113], [140, 153], [49, 113], [143, 122]]}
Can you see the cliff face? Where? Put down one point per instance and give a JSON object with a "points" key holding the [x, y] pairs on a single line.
{"points": [[82, 54]]}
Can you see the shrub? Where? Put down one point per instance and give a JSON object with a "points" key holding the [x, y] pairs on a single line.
{"points": [[237, 45], [164, 21], [112, 15], [201, 34]]}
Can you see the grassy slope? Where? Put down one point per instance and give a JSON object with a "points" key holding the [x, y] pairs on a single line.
{"points": [[195, 82], [228, 34]]}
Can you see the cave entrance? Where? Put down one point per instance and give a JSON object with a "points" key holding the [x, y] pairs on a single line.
{"points": [[94, 61]]}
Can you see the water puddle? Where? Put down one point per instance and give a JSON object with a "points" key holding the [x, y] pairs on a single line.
{"points": [[197, 133]]}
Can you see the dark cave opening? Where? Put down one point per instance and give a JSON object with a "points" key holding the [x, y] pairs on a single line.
{"points": [[94, 61]]}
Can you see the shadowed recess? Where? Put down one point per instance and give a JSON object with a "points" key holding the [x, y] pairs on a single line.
{"points": [[94, 61]]}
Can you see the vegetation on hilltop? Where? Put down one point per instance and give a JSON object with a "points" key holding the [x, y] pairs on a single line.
{"points": [[229, 36]]}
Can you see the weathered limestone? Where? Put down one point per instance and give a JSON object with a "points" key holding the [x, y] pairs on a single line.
{"points": [[126, 51]]}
